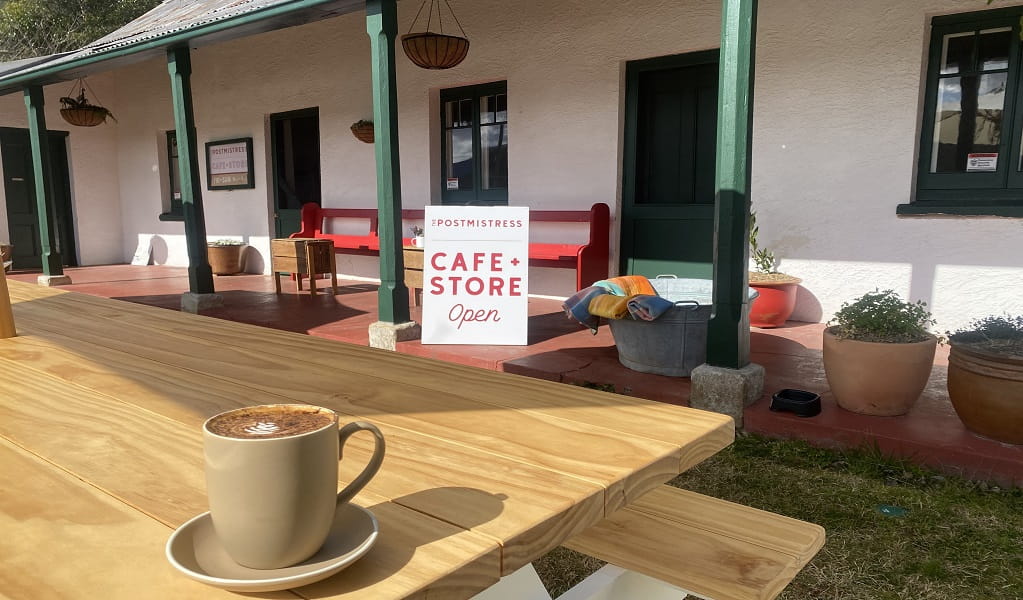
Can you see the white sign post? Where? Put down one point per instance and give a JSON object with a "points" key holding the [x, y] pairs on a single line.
{"points": [[475, 275]]}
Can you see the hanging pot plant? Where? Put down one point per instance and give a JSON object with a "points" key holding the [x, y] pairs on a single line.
{"points": [[435, 50], [78, 111], [363, 131]]}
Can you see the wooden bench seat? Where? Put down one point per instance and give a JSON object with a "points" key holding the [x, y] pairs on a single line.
{"points": [[589, 259], [704, 546]]}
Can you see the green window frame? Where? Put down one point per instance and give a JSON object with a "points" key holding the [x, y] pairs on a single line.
{"points": [[975, 60], [474, 122], [176, 212]]}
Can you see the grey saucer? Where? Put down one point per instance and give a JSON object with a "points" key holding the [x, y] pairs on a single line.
{"points": [[195, 550]]}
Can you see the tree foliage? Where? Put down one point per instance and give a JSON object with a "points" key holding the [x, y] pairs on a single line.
{"points": [[39, 27]]}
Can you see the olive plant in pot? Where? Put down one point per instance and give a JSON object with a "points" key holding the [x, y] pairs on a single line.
{"points": [[225, 256], [985, 377], [777, 291], [878, 353]]}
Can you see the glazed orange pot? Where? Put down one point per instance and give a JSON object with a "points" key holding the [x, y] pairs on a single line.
{"points": [[873, 378], [986, 390], [775, 303]]}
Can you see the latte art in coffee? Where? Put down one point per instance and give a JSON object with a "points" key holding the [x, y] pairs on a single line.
{"points": [[263, 428], [275, 421]]}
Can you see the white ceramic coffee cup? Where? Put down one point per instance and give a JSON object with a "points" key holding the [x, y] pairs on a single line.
{"points": [[418, 241], [272, 500]]}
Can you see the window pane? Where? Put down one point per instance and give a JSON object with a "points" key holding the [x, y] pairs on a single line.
{"points": [[458, 113], [487, 109], [502, 108], [458, 163], [172, 163], [494, 147], [957, 53], [494, 109], [993, 48], [450, 113], [968, 122]]}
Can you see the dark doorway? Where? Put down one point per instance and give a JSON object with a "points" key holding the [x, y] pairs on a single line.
{"points": [[669, 161], [295, 148], [20, 191]]}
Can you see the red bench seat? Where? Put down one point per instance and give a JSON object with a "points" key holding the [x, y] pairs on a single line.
{"points": [[589, 259]]}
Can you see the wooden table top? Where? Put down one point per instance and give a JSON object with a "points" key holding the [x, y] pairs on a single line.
{"points": [[102, 401]]}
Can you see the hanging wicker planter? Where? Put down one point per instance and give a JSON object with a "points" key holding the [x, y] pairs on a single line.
{"points": [[431, 50], [434, 50], [363, 131], [77, 110]]}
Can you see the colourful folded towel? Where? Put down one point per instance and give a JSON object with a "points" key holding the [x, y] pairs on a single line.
{"points": [[577, 306], [609, 307], [647, 308], [627, 285]]}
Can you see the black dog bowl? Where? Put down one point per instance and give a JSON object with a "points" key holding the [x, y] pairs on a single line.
{"points": [[799, 402]]}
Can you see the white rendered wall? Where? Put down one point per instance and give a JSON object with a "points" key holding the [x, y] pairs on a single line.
{"points": [[838, 92], [93, 170], [835, 147]]}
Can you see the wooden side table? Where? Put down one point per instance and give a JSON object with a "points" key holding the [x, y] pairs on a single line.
{"points": [[303, 256], [413, 256]]}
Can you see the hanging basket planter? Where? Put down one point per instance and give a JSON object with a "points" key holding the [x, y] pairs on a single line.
{"points": [[78, 111], [85, 116], [363, 131], [433, 50]]}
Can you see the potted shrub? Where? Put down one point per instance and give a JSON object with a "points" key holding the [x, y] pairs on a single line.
{"points": [[777, 291], [878, 353], [225, 256], [985, 377]]}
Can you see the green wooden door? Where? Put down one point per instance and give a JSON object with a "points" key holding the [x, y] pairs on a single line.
{"points": [[19, 189], [295, 148], [668, 170]]}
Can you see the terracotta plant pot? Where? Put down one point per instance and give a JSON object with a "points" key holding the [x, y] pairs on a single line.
{"points": [[873, 378], [775, 303], [224, 259], [986, 390]]}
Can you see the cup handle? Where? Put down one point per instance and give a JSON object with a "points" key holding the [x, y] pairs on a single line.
{"points": [[374, 462]]}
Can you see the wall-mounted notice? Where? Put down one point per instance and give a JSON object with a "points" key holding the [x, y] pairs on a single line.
{"points": [[982, 161], [229, 164], [475, 275]]}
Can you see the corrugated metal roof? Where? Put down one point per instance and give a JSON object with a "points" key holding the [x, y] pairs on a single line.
{"points": [[19, 65], [174, 16], [173, 22]]}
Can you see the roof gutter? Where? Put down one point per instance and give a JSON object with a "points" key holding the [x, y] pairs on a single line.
{"points": [[10, 84]]}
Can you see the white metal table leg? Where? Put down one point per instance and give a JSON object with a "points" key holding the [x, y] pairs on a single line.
{"points": [[615, 583], [523, 584]]}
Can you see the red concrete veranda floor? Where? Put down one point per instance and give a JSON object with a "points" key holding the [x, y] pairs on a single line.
{"points": [[559, 350]]}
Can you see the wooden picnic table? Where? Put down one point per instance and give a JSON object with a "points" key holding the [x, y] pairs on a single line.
{"points": [[102, 401]]}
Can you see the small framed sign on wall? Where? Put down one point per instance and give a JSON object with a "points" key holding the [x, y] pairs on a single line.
{"points": [[229, 164]]}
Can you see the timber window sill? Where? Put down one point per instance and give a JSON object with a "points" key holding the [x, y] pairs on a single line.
{"points": [[962, 210]]}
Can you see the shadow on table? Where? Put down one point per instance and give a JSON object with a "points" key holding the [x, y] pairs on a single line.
{"points": [[406, 536]]}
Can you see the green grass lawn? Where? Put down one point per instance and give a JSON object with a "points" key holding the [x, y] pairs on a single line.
{"points": [[943, 538]]}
